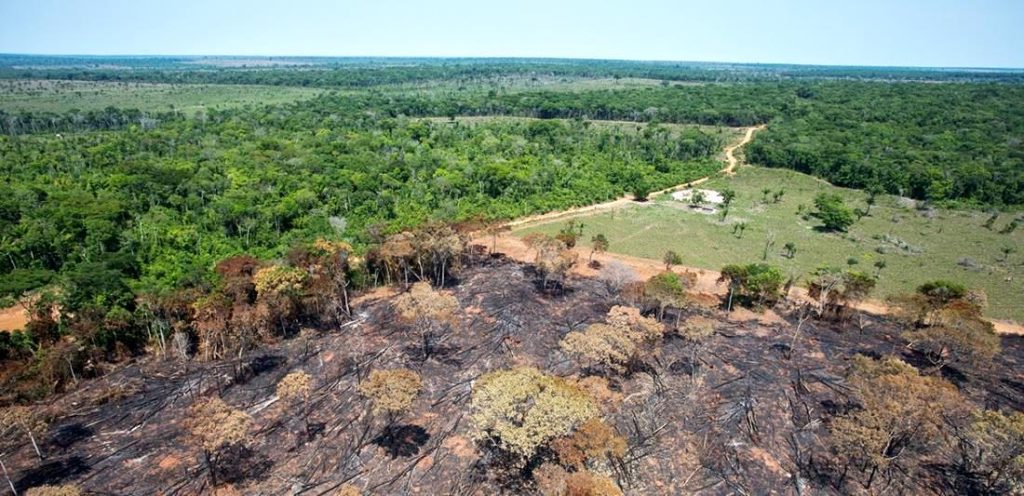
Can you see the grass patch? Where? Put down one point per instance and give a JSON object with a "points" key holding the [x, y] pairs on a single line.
{"points": [[21, 95], [918, 245]]}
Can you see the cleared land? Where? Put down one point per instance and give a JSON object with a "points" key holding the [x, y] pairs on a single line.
{"points": [[916, 245], [62, 96]]}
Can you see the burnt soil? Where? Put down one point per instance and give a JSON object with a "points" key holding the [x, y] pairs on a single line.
{"points": [[746, 414]]}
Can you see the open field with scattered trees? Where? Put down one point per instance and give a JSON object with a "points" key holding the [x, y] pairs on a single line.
{"points": [[906, 245], [55, 96]]}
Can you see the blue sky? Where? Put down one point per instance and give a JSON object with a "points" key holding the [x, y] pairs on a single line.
{"points": [[960, 33]]}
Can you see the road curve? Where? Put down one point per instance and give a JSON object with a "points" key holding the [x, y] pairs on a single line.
{"points": [[730, 164]]}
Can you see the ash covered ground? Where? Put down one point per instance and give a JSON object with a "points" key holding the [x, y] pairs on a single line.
{"points": [[744, 414]]}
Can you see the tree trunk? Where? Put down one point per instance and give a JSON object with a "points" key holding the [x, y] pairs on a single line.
{"points": [[210, 469], [8, 477], [35, 445]]}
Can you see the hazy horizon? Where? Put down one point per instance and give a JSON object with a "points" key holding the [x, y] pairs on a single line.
{"points": [[510, 57], [873, 33]]}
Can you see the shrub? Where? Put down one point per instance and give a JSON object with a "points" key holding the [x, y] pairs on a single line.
{"points": [[599, 390], [593, 441], [522, 409], [348, 490], [587, 483], [941, 292], [697, 329], [833, 212], [294, 387], [956, 338], [553, 480]]}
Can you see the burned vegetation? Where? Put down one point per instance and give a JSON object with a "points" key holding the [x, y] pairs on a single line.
{"points": [[481, 375]]}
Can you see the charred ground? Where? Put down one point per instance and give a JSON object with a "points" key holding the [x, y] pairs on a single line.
{"points": [[745, 413]]}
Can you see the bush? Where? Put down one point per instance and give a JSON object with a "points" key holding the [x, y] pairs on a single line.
{"points": [[942, 292], [833, 212], [553, 480], [63, 490], [956, 335], [593, 441]]}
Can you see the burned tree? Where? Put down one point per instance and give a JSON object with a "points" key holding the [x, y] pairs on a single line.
{"points": [[598, 244], [616, 275], [213, 425], [834, 289], [668, 290], [327, 281], [430, 312], [277, 292], [615, 343], [391, 391], [754, 285], [897, 417], [430, 253], [22, 418], [293, 391], [946, 324], [553, 262], [520, 410], [991, 452]]}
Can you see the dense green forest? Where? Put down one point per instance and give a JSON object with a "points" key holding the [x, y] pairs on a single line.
{"points": [[951, 142]]}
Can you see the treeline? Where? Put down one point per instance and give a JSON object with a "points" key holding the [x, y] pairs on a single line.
{"points": [[110, 118], [361, 72], [958, 143], [948, 143]]}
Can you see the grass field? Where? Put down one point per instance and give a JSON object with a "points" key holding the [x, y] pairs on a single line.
{"points": [[61, 96], [951, 244]]}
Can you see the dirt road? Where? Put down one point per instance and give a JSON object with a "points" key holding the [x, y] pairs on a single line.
{"points": [[731, 163]]}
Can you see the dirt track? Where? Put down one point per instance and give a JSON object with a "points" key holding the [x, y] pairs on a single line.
{"points": [[730, 159]]}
